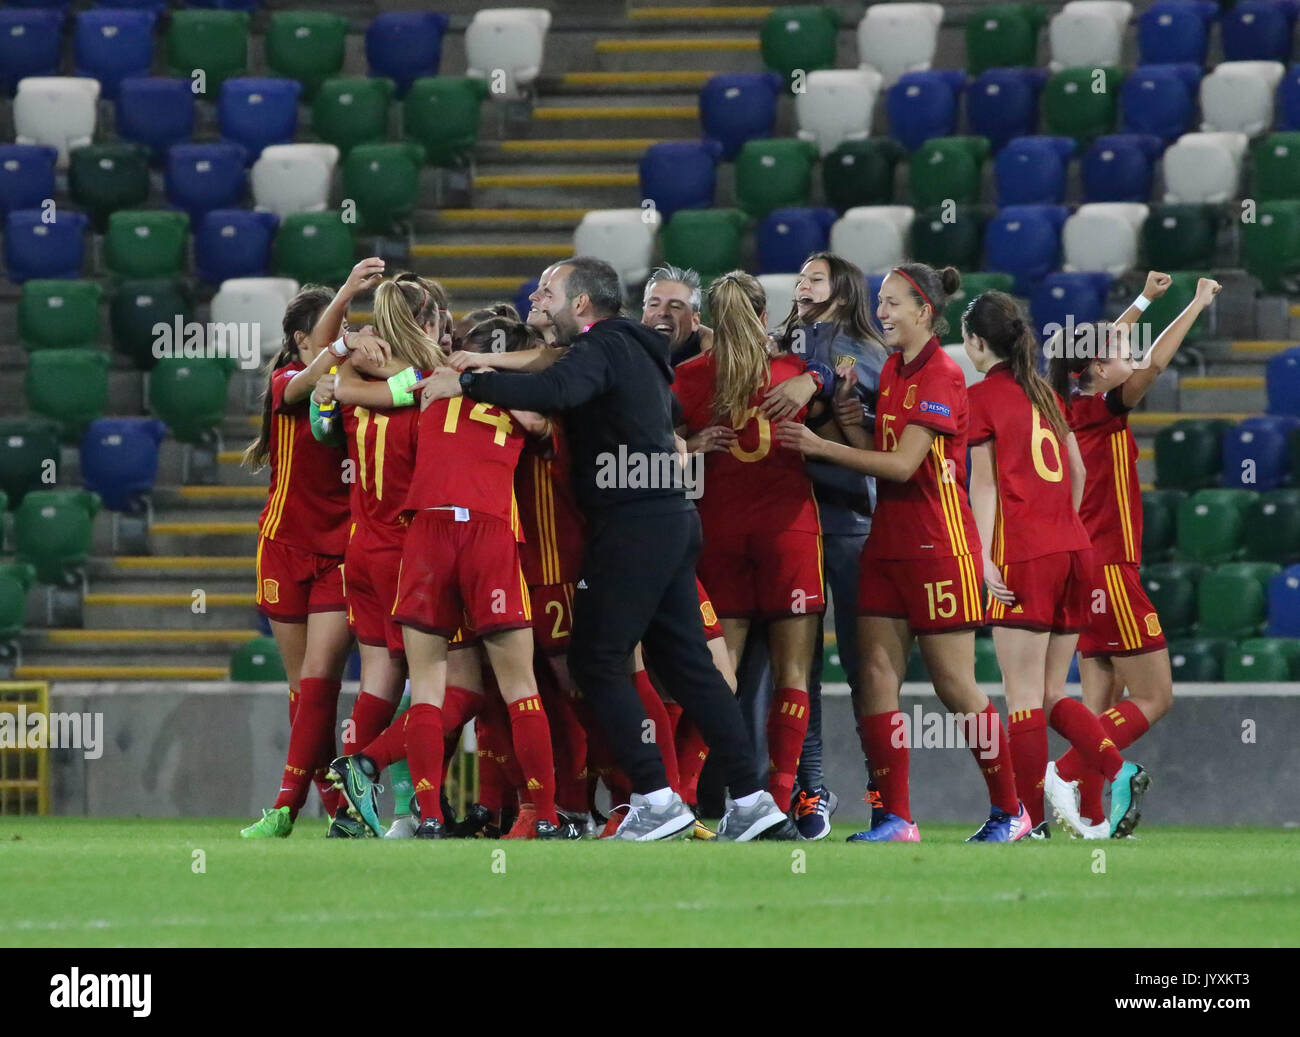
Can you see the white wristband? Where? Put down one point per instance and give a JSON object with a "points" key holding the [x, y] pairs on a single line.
{"points": [[1141, 302]]}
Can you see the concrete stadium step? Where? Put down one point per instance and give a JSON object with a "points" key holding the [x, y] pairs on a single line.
{"points": [[722, 52], [555, 221], [637, 82], [169, 567], [171, 647], [1214, 393], [1262, 349], [686, 16], [233, 472], [550, 150], [489, 253], [203, 532], [1148, 423], [39, 669], [593, 116], [606, 185], [167, 610]]}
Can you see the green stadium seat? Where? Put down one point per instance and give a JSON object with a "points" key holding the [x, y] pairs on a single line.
{"points": [[1159, 523], [1277, 167], [1174, 599], [352, 110], [1272, 531], [939, 243], [146, 243], [215, 42], [1188, 456], [58, 314], [313, 248], [1003, 36], [29, 456], [1239, 499], [384, 181], [257, 660], [802, 37], [307, 46], [1197, 659], [987, 670], [861, 172], [441, 114], [947, 168], [916, 671], [136, 307], [1209, 531], [106, 177], [16, 579], [53, 530], [1073, 108], [832, 665], [973, 285], [773, 174], [1175, 571], [1263, 660], [1232, 602], [1270, 247], [1161, 313], [69, 386], [190, 396], [1180, 237], [707, 240]]}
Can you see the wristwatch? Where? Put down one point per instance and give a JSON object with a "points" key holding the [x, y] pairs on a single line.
{"points": [[466, 380]]}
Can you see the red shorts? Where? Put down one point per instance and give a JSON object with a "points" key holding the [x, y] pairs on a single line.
{"points": [[291, 582], [1121, 618], [1051, 593], [552, 616], [765, 575], [934, 595], [457, 574], [370, 575], [712, 628]]}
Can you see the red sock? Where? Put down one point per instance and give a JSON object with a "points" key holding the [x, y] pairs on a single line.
{"points": [[568, 745], [887, 759], [787, 723], [990, 746], [692, 752], [663, 728], [531, 733], [1123, 724], [329, 795], [389, 746], [674, 710], [424, 753], [459, 706], [370, 715], [492, 781], [1027, 729], [311, 742], [293, 704], [1075, 722]]}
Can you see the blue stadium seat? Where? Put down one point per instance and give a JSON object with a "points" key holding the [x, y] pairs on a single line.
{"points": [[1258, 30], [29, 45], [233, 243], [1032, 170], [1284, 603], [201, 177], [1063, 298], [1171, 31], [256, 112], [1264, 443], [1120, 167], [521, 298], [26, 175], [738, 107], [34, 248], [119, 459], [405, 45], [1288, 100], [1160, 100], [923, 105], [156, 6], [1003, 103], [1282, 379], [111, 45], [1025, 241], [786, 237], [680, 175], [156, 112]]}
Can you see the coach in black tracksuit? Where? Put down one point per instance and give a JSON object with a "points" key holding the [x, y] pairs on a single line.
{"points": [[638, 573]]}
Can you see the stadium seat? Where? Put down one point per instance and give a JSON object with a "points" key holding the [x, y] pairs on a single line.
{"points": [[1255, 456], [737, 107], [1073, 108], [774, 174], [1232, 599], [1197, 659], [1174, 599], [779, 289], [1159, 523], [987, 670], [947, 169], [1160, 100], [29, 455], [787, 237], [190, 396], [59, 314], [1062, 298], [1032, 170], [860, 172], [119, 459], [506, 46], [836, 105], [69, 386], [1288, 100], [895, 39], [146, 243], [1120, 167], [1003, 103], [56, 111], [257, 660], [1188, 454], [384, 181], [26, 176], [1277, 167], [155, 111], [30, 43], [923, 105], [1270, 248], [292, 178], [1025, 241], [111, 45], [106, 177], [404, 46], [202, 177], [256, 112], [1179, 237], [212, 42], [1161, 313], [623, 238], [1272, 531], [1079, 36], [1258, 30], [136, 307], [801, 37], [1237, 498], [307, 46], [313, 248], [16, 579], [873, 236], [442, 115], [1209, 530], [35, 248], [1284, 603], [972, 285], [1282, 381], [1103, 236], [1003, 36], [1262, 660], [1204, 167], [231, 243], [940, 242], [352, 111], [1237, 97], [680, 175], [1172, 31], [53, 530], [260, 303]]}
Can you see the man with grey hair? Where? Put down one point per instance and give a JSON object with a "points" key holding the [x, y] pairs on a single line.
{"points": [[671, 305]]}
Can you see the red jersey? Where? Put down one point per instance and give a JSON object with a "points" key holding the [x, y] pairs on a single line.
{"points": [[554, 530], [308, 505], [1112, 498], [466, 459], [757, 482], [928, 516], [1033, 478], [381, 445]]}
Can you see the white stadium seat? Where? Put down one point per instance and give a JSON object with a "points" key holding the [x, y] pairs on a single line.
{"points": [[290, 178], [1103, 236], [505, 46], [1237, 96], [57, 112], [873, 236], [623, 238], [1204, 167], [260, 301], [898, 38], [958, 354], [1084, 38], [836, 106], [779, 289]]}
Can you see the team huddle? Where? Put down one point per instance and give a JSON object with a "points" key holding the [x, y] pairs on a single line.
{"points": [[448, 537]]}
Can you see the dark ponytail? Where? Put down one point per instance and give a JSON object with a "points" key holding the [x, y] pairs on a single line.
{"points": [[1069, 363], [938, 285]]}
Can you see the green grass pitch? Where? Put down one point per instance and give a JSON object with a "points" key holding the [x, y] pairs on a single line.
{"points": [[86, 882]]}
